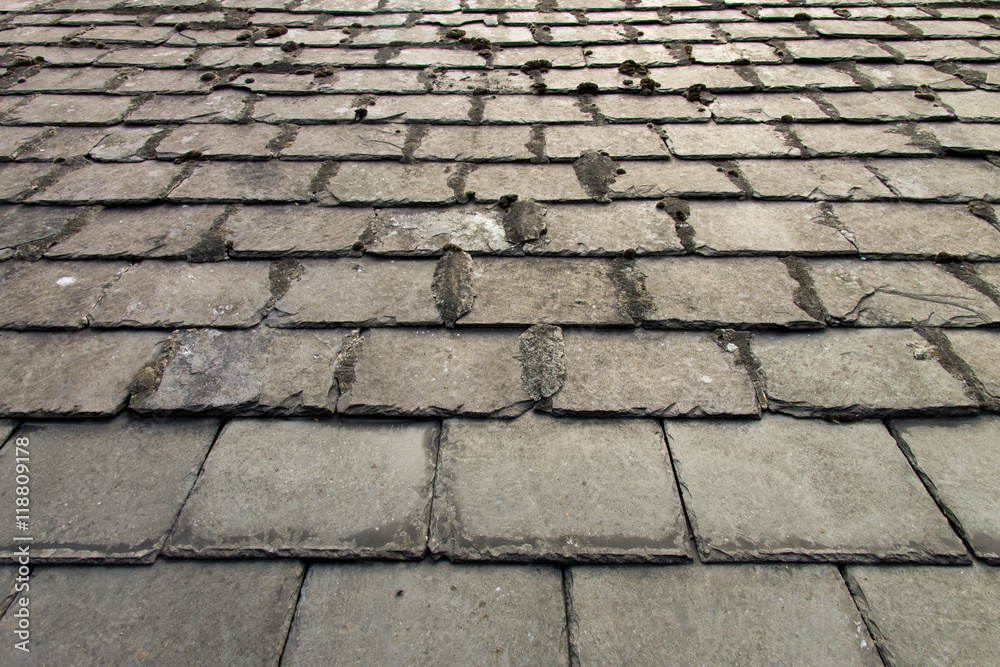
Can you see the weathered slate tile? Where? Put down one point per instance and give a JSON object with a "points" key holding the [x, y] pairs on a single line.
{"points": [[896, 77], [541, 182], [424, 231], [219, 141], [837, 140], [930, 615], [52, 295], [15, 139], [759, 108], [409, 108], [388, 613], [802, 77], [900, 230], [813, 179], [359, 292], [122, 145], [934, 50], [723, 614], [82, 374], [112, 184], [651, 55], [143, 57], [243, 613], [545, 488], [876, 106], [548, 290], [111, 489], [694, 292], [606, 230], [68, 80], [432, 57], [64, 142], [731, 52], [762, 228], [893, 294], [247, 504], [255, 231], [475, 373], [976, 106], [16, 179], [621, 141], [728, 141], [839, 49], [522, 109], [859, 372], [348, 142], [659, 373], [25, 224], [477, 144], [220, 106], [251, 182], [804, 490], [70, 110], [651, 179], [944, 179], [391, 183], [981, 350], [655, 108], [956, 459], [164, 231], [836, 28], [164, 295], [249, 371], [964, 137]]}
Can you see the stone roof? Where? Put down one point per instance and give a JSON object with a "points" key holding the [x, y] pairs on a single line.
{"points": [[500, 332]]}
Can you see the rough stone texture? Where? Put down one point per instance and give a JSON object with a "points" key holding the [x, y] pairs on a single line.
{"points": [[532, 109], [875, 106], [719, 614], [965, 138], [860, 372], [762, 228], [945, 179], [254, 371], [750, 292], [728, 141], [69, 110], [544, 488], [172, 613], [358, 292], [252, 182], [162, 294], [52, 295], [892, 294], [295, 230], [939, 615], [18, 180], [347, 142], [110, 489], [427, 372], [618, 141], [138, 183], [544, 290], [524, 220], [666, 374], [220, 106], [555, 182], [829, 140], [391, 184], [902, 230], [424, 232], [485, 143], [81, 374], [429, 613], [957, 461], [543, 361], [814, 179], [219, 141], [981, 350], [677, 178], [973, 106], [24, 224], [451, 285], [304, 488], [656, 108], [606, 230], [785, 489], [761, 108]]}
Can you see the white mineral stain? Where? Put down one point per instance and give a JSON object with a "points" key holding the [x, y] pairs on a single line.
{"points": [[65, 281]]}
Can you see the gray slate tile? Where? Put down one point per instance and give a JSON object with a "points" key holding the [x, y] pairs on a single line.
{"points": [[429, 613], [740, 292], [111, 184], [836, 140], [165, 294], [643, 373], [172, 613], [548, 488], [248, 182], [81, 374], [785, 489], [718, 614], [110, 490], [220, 106], [433, 372], [859, 372], [814, 179], [550, 290], [70, 110], [542, 182], [981, 350], [295, 230], [219, 141], [607, 230], [931, 615], [942, 179], [53, 295], [892, 294], [24, 224], [359, 292], [728, 141], [424, 231], [649, 179], [314, 489], [391, 184], [957, 460], [246, 371]]}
